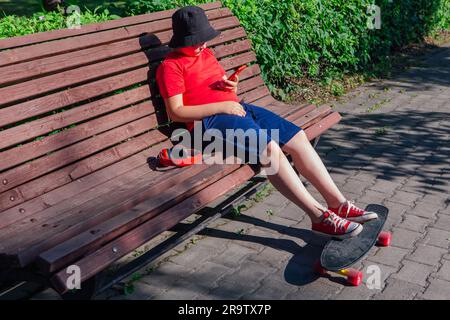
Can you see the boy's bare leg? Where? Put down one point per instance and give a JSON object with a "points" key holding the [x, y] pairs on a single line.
{"points": [[289, 184], [309, 164]]}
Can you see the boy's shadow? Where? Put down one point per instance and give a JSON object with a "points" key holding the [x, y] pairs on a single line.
{"points": [[155, 52], [300, 268]]}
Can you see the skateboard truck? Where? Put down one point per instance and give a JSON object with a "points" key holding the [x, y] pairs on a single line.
{"points": [[353, 276]]}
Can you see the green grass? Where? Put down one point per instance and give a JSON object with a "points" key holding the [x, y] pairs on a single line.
{"points": [[237, 211], [378, 105], [129, 287], [382, 131]]}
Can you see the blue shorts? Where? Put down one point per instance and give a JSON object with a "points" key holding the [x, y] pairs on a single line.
{"points": [[275, 127]]}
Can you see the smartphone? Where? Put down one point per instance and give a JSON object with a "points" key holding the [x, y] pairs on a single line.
{"points": [[238, 70]]}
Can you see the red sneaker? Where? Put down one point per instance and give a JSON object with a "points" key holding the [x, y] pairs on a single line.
{"points": [[351, 212], [337, 227]]}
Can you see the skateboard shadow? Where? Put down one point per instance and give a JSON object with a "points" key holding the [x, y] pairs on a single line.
{"points": [[299, 269]]}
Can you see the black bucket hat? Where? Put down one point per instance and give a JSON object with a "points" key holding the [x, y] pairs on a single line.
{"points": [[190, 27]]}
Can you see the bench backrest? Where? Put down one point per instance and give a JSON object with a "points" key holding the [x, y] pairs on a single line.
{"points": [[75, 101]]}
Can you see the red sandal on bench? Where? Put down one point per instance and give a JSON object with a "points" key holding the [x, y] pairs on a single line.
{"points": [[168, 158]]}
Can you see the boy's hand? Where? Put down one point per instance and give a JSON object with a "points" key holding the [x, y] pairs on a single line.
{"points": [[234, 108], [230, 85]]}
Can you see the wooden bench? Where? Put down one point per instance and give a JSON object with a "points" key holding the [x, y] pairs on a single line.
{"points": [[80, 116]]}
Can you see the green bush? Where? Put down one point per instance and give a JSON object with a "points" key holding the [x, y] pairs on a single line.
{"points": [[296, 38], [13, 26], [140, 7], [320, 40]]}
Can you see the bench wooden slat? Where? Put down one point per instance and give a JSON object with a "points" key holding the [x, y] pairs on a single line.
{"points": [[323, 110], [70, 96], [58, 159], [32, 88], [45, 49], [105, 231], [238, 60], [94, 27], [174, 192], [32, 129], [224, 50], [29, 130], [16, 196], [75, 134], [326, 123], [268, 99], [256, 94], [313, 116], [118, 153], [88, 91], [67, 155], [93, 198], [41, 194], [246, 86], [45, 66], [292, 113], [157, 225], [56, 179], [53, 64]]}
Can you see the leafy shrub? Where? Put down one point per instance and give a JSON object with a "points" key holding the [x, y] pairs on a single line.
{"points": [[321, 40], [12, 26]]}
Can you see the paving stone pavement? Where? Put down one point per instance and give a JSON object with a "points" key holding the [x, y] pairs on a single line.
{"points": [[391, 147]]}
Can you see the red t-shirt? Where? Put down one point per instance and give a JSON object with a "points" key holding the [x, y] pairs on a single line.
{"points": [[194, 77]]}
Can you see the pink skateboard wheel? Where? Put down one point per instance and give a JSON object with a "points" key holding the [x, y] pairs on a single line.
{"points": [[384, 239], [354, 277]]}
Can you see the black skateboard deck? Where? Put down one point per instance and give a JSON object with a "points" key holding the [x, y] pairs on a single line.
{"points": [[340, 254]]}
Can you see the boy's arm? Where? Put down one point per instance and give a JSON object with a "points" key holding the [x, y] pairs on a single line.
{"points": [[180, 113]]}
